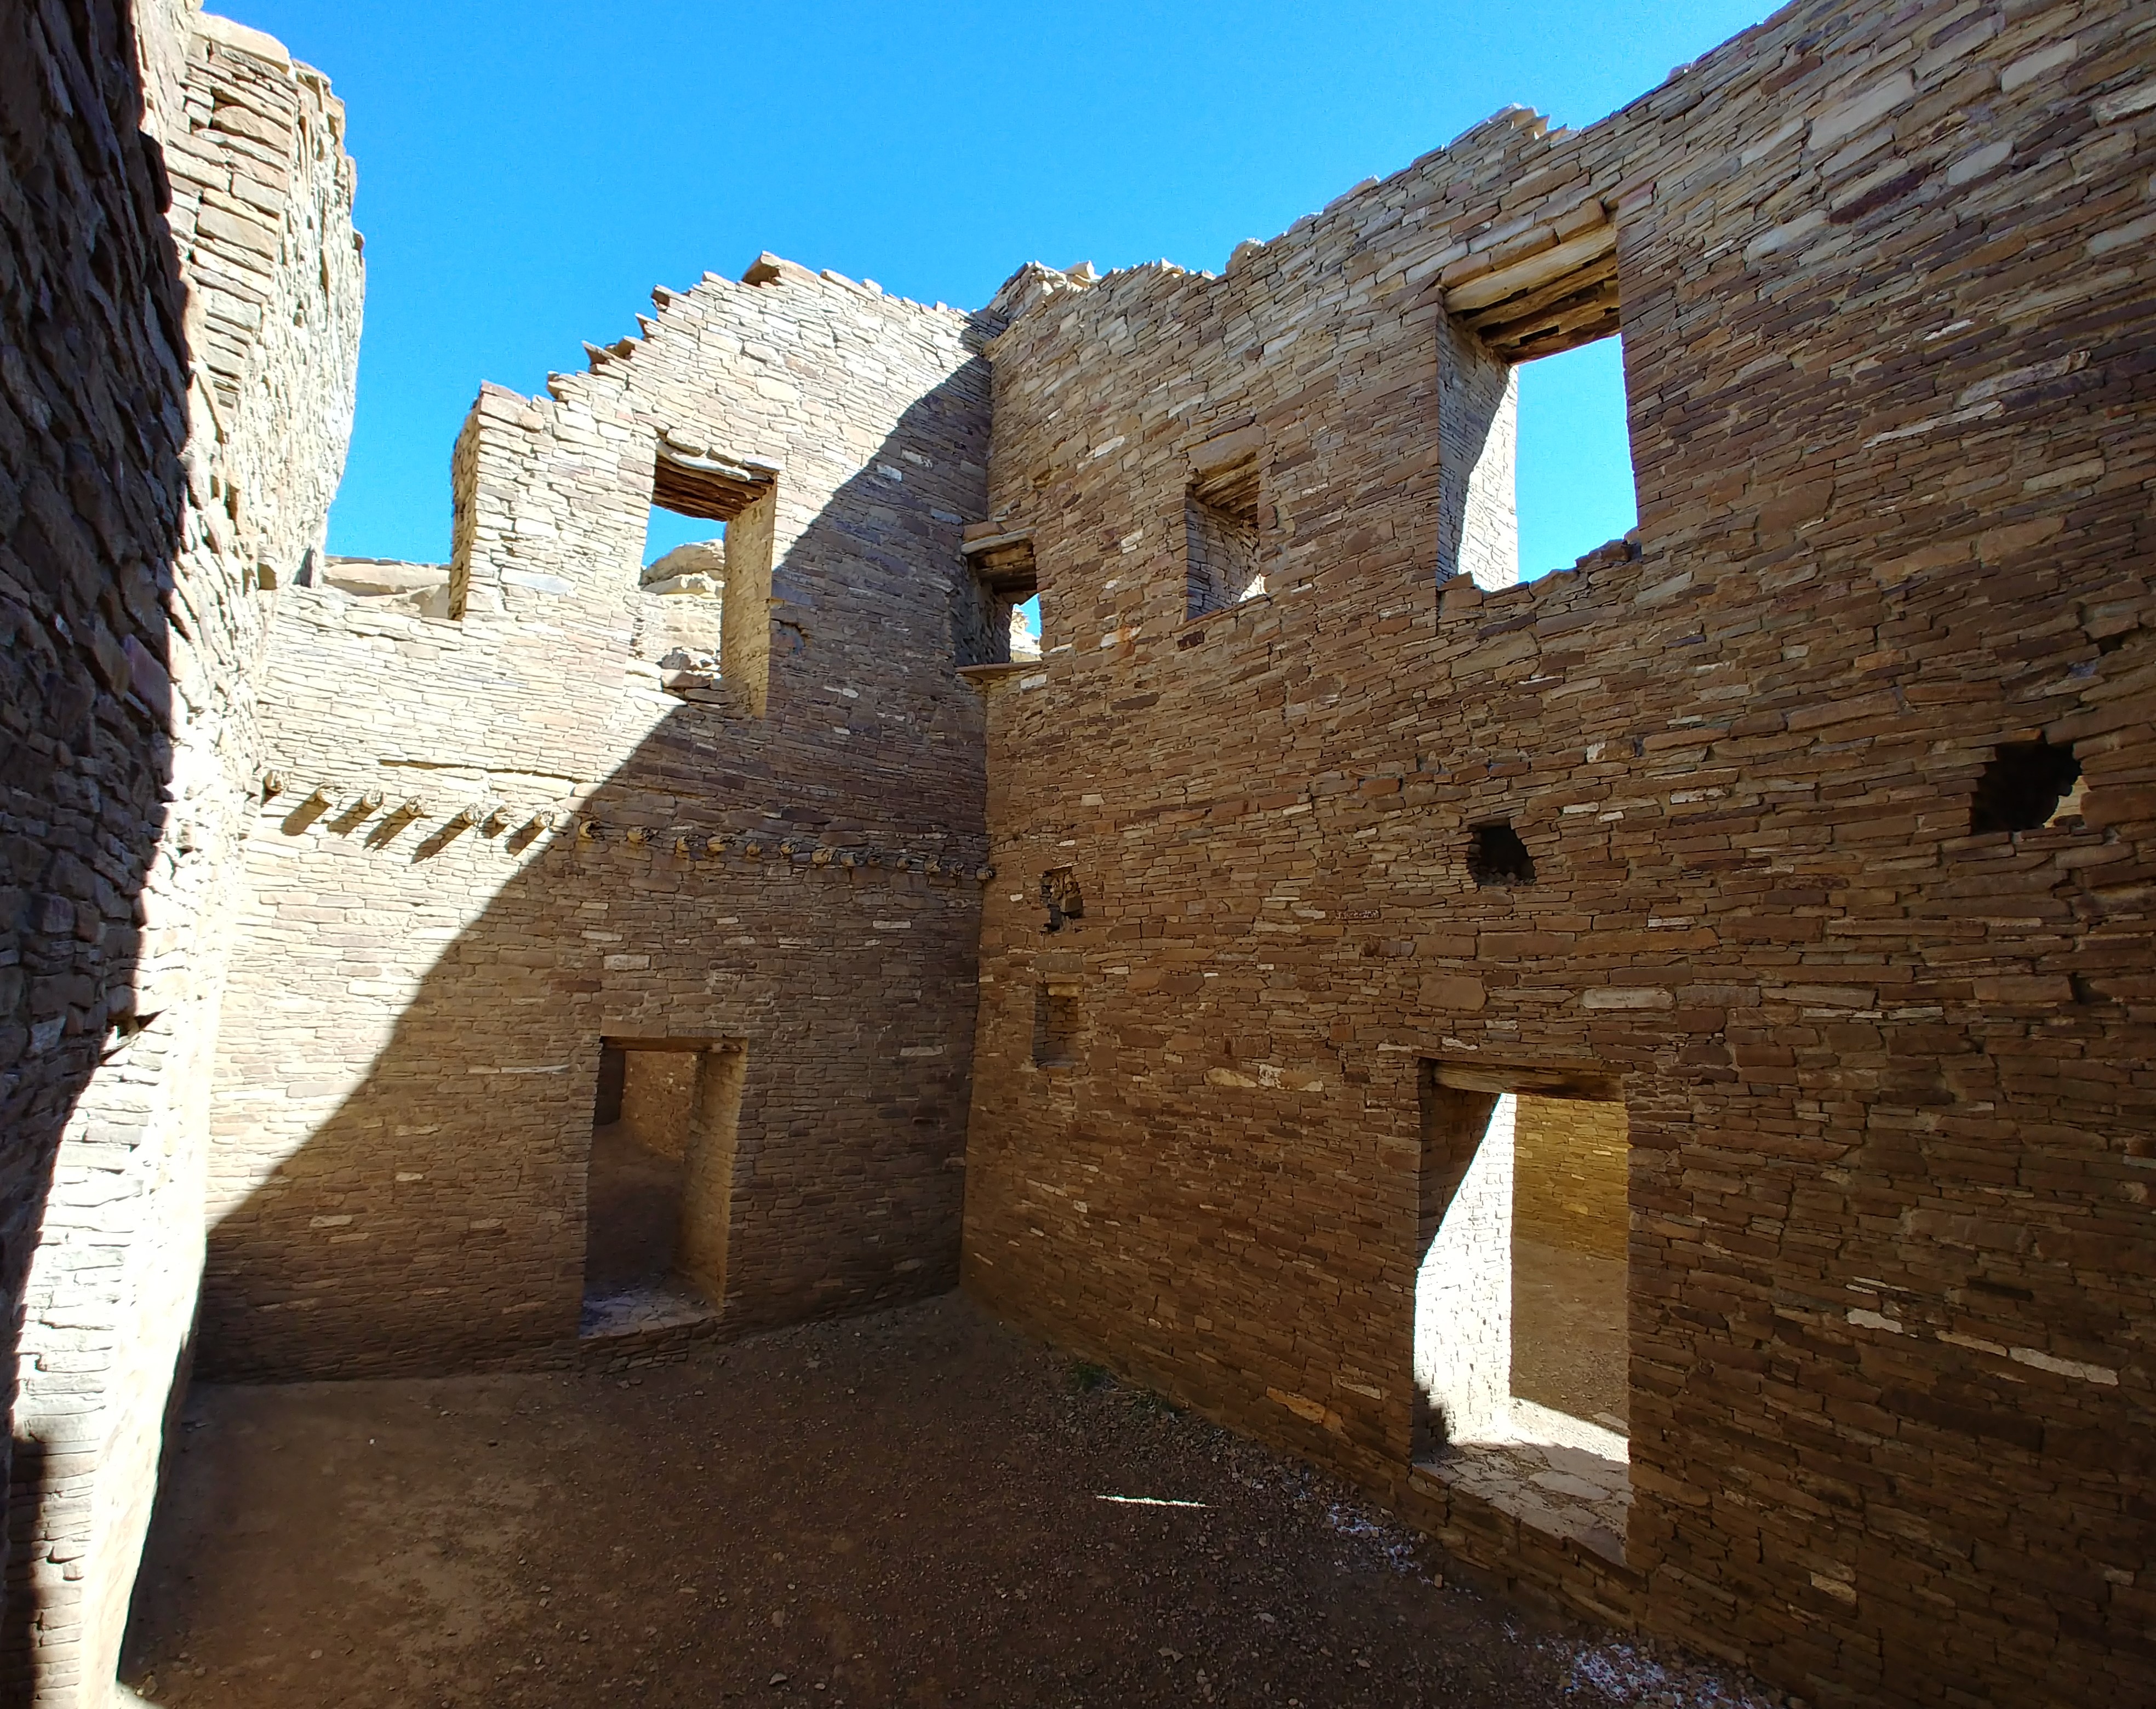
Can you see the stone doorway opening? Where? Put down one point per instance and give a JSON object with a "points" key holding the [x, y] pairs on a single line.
{"points": [[1568, 1234], [659, 1186], [1520, 1355]]}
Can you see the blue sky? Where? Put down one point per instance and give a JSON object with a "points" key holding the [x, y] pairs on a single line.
{"points": [[527, 172]]}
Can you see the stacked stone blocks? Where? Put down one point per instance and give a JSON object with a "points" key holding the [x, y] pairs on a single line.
{"points": [[1890, 1266]]}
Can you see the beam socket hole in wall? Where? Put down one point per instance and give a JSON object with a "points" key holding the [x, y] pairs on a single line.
{"points": [[2026, 786], [1222, 562], [1055, 1025], [1060, 897], [1495, 855]]}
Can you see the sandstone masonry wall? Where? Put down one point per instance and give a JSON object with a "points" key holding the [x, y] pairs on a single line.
{"points": [[1890, 1119], [502, 839], [179, 298], [1568, 1182]]}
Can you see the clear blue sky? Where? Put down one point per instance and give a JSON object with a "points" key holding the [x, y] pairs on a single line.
{"points": [[527, 172]]}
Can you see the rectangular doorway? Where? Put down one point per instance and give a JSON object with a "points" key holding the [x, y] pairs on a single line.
{"points": [[659, 1186], [1568, 1232], [1520, 1356]]}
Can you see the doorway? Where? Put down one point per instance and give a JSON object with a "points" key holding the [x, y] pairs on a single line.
{"points": [[1568, 1235], [1519, 1351], [659, 1186]]}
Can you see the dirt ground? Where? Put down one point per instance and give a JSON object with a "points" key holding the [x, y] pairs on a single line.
{"points": [[918, 1508], [1569, 1345]]}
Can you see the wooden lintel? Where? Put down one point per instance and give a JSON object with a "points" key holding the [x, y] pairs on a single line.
{"points": [[992, 543], [1526, 274], [686, 1045], [1590, 1083], [1547, 296], [987, 675]]}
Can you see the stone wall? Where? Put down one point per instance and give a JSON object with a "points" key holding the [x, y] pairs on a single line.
{"points": [[659, 1098], [507, 834], [1568, 1180], [180, 298], [1892, 1270], [1879, 1032]]}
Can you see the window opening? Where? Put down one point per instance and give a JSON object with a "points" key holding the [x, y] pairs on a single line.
{"points": [[1060, 897], [680, 607], [1578, 506], [1056, 1025], [1519, 1354], [667, 533], [1535, 448], [1002, 587], [658, 1185], [2026, 786], [1495, 855], [703, 604], [1220, 532]]}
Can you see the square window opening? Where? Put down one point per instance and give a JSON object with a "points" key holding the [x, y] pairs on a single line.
{"points": [[686, 545], [1535, 465], [680, 619], [1577, 503], [997, 620], [724, 569]]}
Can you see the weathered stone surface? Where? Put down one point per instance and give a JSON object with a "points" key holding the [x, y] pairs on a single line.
{"points": [[404, 1091], [1305, 848], [173, 193], [1885, 1079], [701, 561]]}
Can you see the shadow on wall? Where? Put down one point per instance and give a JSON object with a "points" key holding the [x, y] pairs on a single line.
{"points": [[93, 412], [420, 1206]]}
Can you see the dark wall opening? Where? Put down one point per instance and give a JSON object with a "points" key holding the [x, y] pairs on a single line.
{"points": [[659, 1189]]}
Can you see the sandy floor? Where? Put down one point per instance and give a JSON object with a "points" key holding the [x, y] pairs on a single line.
{"points": [[1569, 1345], [917, 1508]]}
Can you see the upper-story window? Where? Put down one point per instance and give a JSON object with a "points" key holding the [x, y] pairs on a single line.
{"points": [[990, 625], [691, 479], [1222, 554]]}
